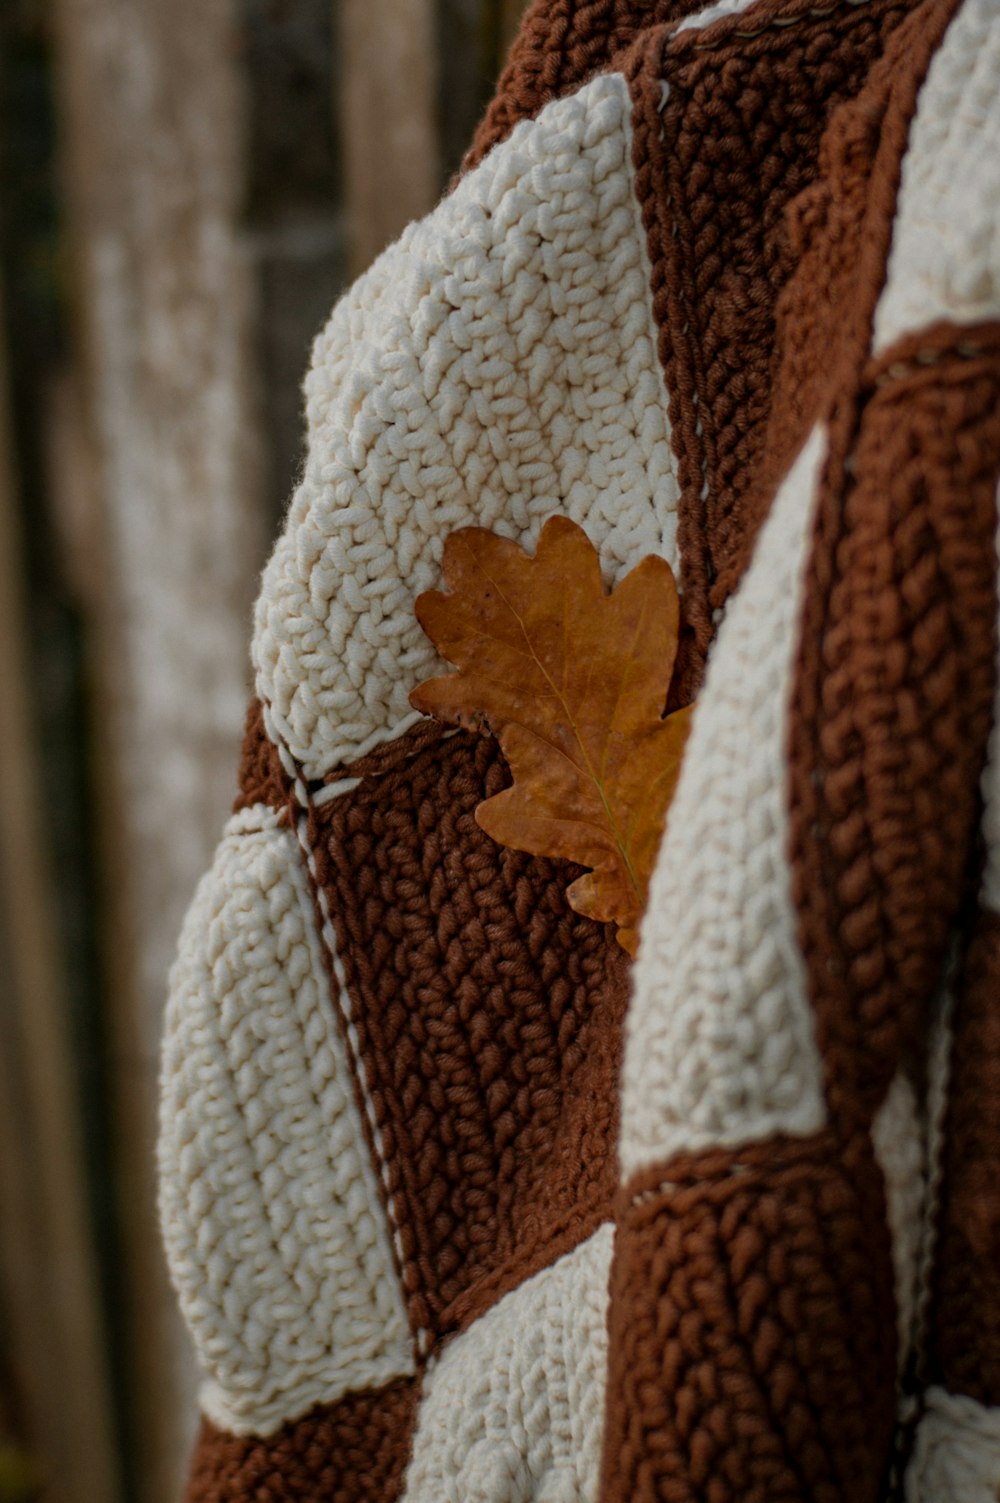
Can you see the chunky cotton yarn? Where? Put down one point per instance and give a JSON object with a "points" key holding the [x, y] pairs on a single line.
{"points": [[461, 1208]]}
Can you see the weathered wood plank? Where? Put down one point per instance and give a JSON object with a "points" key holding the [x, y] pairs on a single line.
{"points": [[388, 119], [472, 38], [155, 167], [47, 1262], [295, 225]]}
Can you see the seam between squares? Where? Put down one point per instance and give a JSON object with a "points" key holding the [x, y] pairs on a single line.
{"points": [[777, 23], [940, 1065], [732, 1170], [326, 792], [669, 1186], [344, 1006], [924, 358], [645, 263], [671, 242]]}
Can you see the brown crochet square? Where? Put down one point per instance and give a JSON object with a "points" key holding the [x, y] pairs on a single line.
{"points": [[727, 130], [262, 779], [354, 1451], [752, 1354], [893, 697], [489, 1018]]}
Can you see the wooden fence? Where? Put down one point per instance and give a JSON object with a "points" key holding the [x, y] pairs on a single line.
{"points": [[184, 189]]}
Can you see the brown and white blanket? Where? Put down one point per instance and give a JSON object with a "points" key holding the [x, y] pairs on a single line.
{"points": [[461, 1206]]}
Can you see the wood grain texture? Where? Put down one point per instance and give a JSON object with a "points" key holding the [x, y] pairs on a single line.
{"points": [[48, 1278], [153, 124], [388, 123]]}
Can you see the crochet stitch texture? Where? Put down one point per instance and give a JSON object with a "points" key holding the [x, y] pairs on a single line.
{"points": [[460, 1206]]}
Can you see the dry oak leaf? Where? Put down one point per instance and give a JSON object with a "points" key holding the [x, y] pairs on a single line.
{"points": [[572, 681]]}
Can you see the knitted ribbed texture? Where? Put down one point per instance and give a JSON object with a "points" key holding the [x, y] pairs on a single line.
{"points": [[460, 1206]]}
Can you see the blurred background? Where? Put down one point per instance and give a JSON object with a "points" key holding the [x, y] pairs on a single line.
{"points": [[185, 187]]}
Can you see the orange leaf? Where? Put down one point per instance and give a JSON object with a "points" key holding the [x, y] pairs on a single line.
{"points": [[572, 681]]}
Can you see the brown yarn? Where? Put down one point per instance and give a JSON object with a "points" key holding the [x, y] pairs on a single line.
{"points": [[559, 45], [965, 1317], [354, 1451], [262, 779], [837, 234], [738, 137], [751, 1322], [489, 1016], [893, 703], [752, 1319], [392, 754]]}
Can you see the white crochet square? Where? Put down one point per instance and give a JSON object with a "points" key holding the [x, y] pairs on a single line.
{"points": [[272, 1215], [513, 1411], [720, 1041], [496, 366]]}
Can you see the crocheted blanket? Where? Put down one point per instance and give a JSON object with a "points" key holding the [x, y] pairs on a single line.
{"points": [[461, 1205]]}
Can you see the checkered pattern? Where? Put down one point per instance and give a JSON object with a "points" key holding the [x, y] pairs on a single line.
{"points": [[458, 1205]]}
